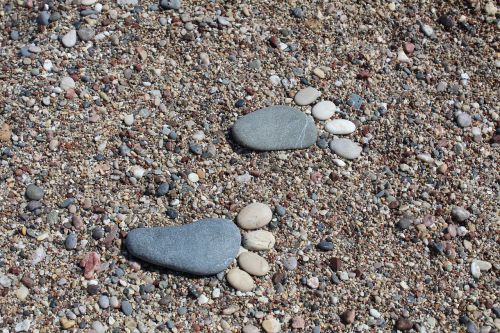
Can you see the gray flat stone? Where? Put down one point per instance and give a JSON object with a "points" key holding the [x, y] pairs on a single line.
{"points": [[275, 128], [205, 247]]}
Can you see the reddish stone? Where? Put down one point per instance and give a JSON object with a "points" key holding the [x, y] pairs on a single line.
{"points": [[335, 264], [298, 322], [90, 263], [409, 48], [27, 281], [364, 75], [403, 324], [274, 41]]}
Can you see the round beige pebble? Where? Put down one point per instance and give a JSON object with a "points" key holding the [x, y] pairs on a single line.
{"points": [[254, 216], [271, 325], [253, 264], [250, 329], [240, 280], [259, 240]]}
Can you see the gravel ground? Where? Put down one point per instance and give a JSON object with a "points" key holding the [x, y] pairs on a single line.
{"points": [[142, 96]]}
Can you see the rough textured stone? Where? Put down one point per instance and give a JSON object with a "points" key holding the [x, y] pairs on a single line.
{"points": [[205, 247], [258, 240], [275, 128], [307, 96]]}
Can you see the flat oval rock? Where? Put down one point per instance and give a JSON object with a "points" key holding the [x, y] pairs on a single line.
{"points": [[253, 264], [346, 148], [340, 126], [258, 240], [254, 216], [275, 128], [205, 247]]}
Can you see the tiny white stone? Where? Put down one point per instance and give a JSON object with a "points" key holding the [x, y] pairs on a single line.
{"points": [[259, 240], [275, 80], [216, 293], [340, 127], [324, 110], [98, 7], [483, 265], [198, 136], [88, 2], [193, 177], [425, 158], [128, 119]]}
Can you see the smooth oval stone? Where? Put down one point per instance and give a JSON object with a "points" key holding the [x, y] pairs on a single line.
{"points": [[307, 96], [253, 264], [34, 192], [205, 247], [259, 240], [324, 110], [254, 216], [346, 148], [340, 127], [271, 325], [69, 40], [275, 128], [240, 280]]}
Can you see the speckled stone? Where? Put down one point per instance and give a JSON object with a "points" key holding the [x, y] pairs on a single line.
{"points": [[275, 128], [205, 247]]}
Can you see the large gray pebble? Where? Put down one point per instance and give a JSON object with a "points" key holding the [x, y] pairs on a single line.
{"points": [[171, 4], [34, 192], [275, 128], [205, 247]]}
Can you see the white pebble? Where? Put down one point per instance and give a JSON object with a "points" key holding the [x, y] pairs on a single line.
{"points": [[128, 119], [193, 177]]}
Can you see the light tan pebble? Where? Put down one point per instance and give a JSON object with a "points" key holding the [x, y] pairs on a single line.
{"points": [[253, 264], [22, 293], [88, 2], [484, 266], [250, 329], [319, 73], [443, 168], [402, 57], [240, 280], [66, 323], [271, 325], [324, 110], [204, 59], [67, 83], [259, 240], [425, 158], [307, 96], [5, 132], [254, 216], [490, 8]]}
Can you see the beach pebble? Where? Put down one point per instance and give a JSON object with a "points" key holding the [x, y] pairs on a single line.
{"points": [[170, 4], [71, 241], [464, 120], [253, 264], [43, 18], [459, 214], [271, 325], [104, 301], [340, 127], [250, 329], [259, 240], [70, 38], [275, 128], [475, 270], [254, 216], [67, 83], [324, 110], [346, 148], [240, 280], [34, 192], [205, 247], [307, 96], [483, 265], [128, 119]]}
